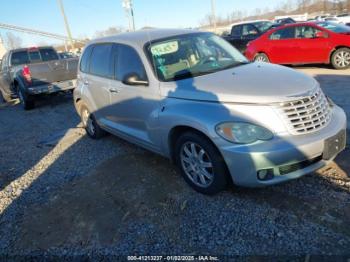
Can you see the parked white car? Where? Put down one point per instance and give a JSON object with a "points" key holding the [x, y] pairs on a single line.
{"points": [[343, 18]]}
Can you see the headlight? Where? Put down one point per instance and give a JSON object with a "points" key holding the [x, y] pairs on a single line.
{"points": [[243, 133]]}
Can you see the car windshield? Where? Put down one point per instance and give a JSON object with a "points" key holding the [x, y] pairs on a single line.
{"points": [[336, 28], [192, 55], [263, 26]]}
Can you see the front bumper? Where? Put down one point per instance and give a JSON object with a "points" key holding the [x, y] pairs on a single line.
{"points": [[244, 161], [52, 87]]}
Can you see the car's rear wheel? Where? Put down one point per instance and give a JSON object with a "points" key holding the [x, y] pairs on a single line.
{"points": [[89, 122], [261, 57], [26, 101], [201, 164], [341, 58]]}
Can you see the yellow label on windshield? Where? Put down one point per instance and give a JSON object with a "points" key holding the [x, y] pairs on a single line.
{"points": [[165, 48]]}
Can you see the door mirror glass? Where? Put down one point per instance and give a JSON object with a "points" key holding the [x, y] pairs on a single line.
{"points": [[134, 79]]}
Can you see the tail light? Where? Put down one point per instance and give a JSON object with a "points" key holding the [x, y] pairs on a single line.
{"points": [[26, 74]]}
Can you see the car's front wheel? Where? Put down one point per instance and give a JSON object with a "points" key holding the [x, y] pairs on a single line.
{"points": [[261, 57], [89, 122], [201, 164], [341, 58]]}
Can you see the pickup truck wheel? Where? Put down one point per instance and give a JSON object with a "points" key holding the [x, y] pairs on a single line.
{"points": [[89, 122], [261, 57], [26, 101], [341, 58], [201, 164]]}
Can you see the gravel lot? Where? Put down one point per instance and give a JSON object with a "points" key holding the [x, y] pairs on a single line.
{"points": [[64, 194]]}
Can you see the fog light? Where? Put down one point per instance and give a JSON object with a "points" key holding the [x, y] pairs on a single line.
{"points": [[265, 174]]}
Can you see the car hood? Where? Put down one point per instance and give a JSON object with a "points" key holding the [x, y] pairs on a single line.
{"points": [[250, 83]]}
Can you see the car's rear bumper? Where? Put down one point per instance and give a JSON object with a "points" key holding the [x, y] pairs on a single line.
{"points": [[285, 157], [52, 87]]}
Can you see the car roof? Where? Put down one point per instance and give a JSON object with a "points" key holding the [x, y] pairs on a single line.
{"points": [[141, 37], [250, 22], [298, 24]]}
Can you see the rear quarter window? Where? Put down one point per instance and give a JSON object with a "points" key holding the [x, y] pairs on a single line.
{"points": [[85, 60], [19, 58]]}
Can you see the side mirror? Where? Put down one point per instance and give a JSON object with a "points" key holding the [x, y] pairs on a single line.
{"points": [[321, 34], [134, 79]]}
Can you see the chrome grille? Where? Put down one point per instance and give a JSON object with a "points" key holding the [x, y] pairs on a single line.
{"points": [[306, 114]]}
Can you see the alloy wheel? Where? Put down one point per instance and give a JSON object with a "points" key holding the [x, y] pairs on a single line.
{"points": [[260, 58], [197, 164], [342, 59]]}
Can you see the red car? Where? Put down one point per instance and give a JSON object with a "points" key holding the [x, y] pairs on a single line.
{"points": [[303, 43]]}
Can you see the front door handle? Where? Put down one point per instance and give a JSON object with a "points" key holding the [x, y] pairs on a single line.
{"points": [[86, 82], [113, 90]]}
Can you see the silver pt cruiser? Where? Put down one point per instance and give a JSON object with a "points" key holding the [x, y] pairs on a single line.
{"points": [[192, 97]]}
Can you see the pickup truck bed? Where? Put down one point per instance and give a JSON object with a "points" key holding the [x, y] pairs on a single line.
{"points": [[36, 71]]}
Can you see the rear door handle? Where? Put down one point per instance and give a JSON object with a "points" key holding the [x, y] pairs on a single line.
{"points": [[114, 90], [86, 82]]}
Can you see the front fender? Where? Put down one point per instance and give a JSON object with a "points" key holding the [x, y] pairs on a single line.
{"points": [[200, 115]]}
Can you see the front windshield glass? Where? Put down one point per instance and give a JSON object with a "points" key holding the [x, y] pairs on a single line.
{"points": [[336, 28], [192, 55], [263, 26]]}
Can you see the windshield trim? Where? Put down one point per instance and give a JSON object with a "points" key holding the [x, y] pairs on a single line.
{"points": [[151, 63]]}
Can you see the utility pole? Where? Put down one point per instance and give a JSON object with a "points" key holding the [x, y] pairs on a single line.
{"points": [[66, 23], [129, 9], [213, 15]]}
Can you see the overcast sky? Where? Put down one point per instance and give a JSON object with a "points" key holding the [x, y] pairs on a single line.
{"points": [[88, 16]]}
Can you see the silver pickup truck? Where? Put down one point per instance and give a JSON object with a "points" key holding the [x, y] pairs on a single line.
{"points": [[30, 72]]}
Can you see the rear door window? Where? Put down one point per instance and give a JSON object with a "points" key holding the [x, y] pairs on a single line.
{"points": [[129, 62], [48, 54], [285, 33], [19, 58], [100, 63], [306, 32]]}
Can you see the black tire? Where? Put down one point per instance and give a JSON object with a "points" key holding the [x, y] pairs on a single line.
{"points": [[338, 55], [261, 57], [27, 101], [92, 128], [219, 169]]}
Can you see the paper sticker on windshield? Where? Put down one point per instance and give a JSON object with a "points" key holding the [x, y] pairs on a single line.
{"points": [[165, 48]]}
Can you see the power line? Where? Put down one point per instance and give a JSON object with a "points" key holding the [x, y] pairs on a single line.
{"points": [[37, 32]]}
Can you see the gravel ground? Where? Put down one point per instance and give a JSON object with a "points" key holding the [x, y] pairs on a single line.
{"points": [[63, 194]]}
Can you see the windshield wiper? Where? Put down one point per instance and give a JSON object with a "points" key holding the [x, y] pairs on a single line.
{"points": [[189, 74]]}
